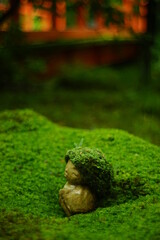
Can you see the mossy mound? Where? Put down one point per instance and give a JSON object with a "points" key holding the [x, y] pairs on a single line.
{"points": [[97, 172], [21, 121], [32, 164]]}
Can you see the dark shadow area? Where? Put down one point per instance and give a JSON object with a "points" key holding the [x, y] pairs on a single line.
{"points": [[126, 190]]}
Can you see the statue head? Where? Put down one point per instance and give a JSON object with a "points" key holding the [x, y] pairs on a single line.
{"points": [[72, 174]]}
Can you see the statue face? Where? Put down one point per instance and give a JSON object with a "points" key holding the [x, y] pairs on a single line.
{"points": [[72, 174]]}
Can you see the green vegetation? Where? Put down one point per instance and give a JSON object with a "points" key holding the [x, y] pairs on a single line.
{"points": [[81, 97], [32, 164], [97, 173], [100, 97]]}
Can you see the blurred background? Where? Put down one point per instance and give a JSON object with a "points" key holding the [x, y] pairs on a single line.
{"points": [[83, 63]]}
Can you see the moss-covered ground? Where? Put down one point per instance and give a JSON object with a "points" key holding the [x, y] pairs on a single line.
{"points": [[32, 163]]}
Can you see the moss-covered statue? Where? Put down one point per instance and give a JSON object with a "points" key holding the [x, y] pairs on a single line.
{"points": [[89, 177]]}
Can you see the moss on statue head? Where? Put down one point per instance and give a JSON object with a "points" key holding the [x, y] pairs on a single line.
{"points": [[95, 169]]}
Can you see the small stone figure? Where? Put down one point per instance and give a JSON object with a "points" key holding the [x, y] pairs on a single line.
{"points": [[75, 197], [89, 178]]}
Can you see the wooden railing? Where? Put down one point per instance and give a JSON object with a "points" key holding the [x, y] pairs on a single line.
{"points": [[55, 19]]}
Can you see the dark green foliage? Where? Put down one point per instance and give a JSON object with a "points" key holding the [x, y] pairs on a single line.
{"points": [[18, 70], [156, 62], [94, 97], [32, 164], [95, 169]]}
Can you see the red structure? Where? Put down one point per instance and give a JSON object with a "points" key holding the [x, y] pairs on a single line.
{"points": [[50, 22], [49, 18]]}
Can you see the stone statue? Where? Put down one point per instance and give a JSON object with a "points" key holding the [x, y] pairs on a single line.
{"points": [[88, 177]]}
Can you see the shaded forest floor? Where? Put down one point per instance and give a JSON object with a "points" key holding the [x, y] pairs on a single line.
{"points": [[94, 98]]}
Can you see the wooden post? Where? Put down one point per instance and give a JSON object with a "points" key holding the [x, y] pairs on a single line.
{"points": [[143, 12], [128, 11], [26, 10], [60, 18], [100, 20], [81, 16]]}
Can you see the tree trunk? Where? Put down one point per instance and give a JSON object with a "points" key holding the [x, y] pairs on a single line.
{"points": [[12, 11]]}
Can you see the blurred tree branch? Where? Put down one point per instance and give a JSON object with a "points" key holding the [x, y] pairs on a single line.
{"points": [[14, 5]]}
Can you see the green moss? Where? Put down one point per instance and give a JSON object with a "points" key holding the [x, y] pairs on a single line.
{"points": [[32, 164], [21, 121], [95, 169]]}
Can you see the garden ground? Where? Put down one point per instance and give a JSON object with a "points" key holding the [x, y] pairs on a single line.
{"points": [[32, 165]]}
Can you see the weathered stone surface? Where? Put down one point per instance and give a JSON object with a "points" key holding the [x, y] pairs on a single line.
{"points": [[75, 198]]}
